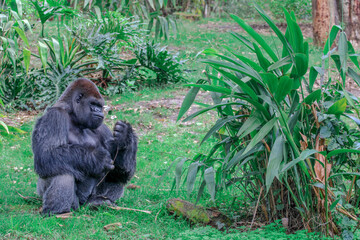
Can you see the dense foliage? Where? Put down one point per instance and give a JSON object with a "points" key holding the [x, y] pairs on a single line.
{"points": [[111, 49], [289, 144]]}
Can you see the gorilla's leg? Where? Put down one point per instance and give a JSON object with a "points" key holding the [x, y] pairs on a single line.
{"points": [[85, 188], [106, 193], [58, 194]]}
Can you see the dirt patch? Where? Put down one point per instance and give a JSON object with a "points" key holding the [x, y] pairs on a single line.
{"points": [[19, 118], [173, 104], [261, 28]]}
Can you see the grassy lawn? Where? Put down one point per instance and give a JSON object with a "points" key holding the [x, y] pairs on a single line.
{"points": [[162, 140]]}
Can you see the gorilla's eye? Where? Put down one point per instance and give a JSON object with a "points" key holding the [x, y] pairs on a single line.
{"points": [[78, 98]]}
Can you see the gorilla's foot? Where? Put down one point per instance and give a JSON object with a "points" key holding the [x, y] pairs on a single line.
{"points": [[97, 201]]}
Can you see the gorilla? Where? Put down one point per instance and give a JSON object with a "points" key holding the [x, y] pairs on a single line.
{"points": [[77, 157]]}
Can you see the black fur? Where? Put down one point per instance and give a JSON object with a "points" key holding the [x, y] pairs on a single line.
{"points": [[74, 150]]}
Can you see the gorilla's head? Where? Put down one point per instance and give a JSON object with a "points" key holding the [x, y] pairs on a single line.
{"points": [[84, 103]]}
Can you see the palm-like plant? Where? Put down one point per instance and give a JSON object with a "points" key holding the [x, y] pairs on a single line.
{"points": [[273, 135]]}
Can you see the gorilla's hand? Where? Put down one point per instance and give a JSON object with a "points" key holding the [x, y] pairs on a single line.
{"points": [[122, 132], [102, 156]]}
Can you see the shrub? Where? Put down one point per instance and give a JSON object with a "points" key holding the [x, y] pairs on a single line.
{"points": [[289, 151]]}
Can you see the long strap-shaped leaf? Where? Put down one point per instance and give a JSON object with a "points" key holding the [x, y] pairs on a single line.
{"points": [[276, 156], [275, 29], [255, 36], [261, 134]]}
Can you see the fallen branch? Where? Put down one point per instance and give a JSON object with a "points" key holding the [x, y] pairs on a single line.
{"points": [[29, 199], [129, 209]]}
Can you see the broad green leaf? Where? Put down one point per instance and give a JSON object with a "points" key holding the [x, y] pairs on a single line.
{"points": [[300, 66], [343, 51], [191, 176], [56, 48], [201, 190], [19, 7], [264, 63], [329, 42], [271, 81], [304, 155], [276, 30], [209, 177], [255, 36], [247, 61], [314, 71], [243, 86], [22, 35], [353, 56], [260, 135], [242, 39], [219, 124], [18, 19], [275, 158], [333, 205], [345, 173], [208, 109], [43, 52], [27, 56], [178, 172], [151, 2], [4, 126], [312, 97], [356, 120], [286, 86], [240, 156], [282, 62], [249, 125], [188, 101], [354, 76], [338, 107], [98, 13], [340, 151], [296, 37], [244, 68]]}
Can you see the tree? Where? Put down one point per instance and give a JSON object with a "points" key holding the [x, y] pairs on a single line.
{"points": [[351, 12], [324, 16]]}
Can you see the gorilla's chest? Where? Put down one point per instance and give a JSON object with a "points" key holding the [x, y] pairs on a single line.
{"points": [[84, 137]]}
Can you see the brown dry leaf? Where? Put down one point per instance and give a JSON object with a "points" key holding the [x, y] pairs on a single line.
{"points": [[65, 215], [113, 226], [318, 168], [133, 186], [314, 112], [303, 144]]}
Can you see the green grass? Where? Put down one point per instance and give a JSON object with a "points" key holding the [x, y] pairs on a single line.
{"points": [[160, 143]]}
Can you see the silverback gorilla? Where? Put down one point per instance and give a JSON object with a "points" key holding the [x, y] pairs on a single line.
{"points": [[77, 157]]}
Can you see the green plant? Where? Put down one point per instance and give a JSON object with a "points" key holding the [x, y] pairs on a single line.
{"points": [[15, 89], [63, 61], [285, 149], [158, 66]]}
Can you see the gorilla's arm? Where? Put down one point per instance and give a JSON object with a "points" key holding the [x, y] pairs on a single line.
{"points": [[122, 145], [53, 155]]}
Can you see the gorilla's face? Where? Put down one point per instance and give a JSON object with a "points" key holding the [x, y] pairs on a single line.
{"points": [[87, 111]]}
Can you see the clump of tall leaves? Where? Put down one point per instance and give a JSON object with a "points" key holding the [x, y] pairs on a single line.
{"points": [[158, 66], [282, 140], [15, 89]]}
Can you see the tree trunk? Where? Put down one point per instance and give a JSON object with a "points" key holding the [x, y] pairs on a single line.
{"points": [[352, 18], [324, 16]]}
